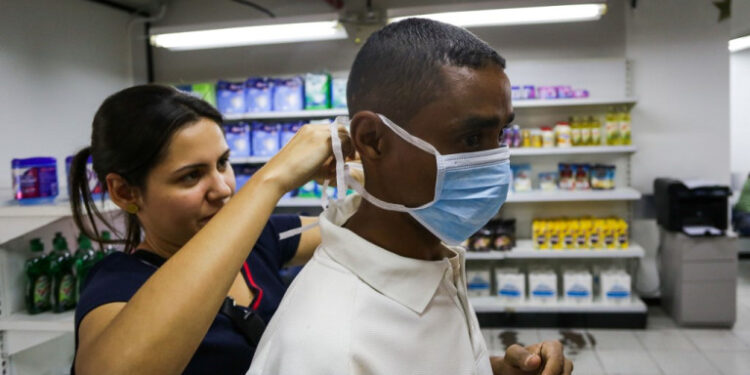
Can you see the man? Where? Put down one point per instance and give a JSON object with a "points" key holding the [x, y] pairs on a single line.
{"points": [[384, 294]]}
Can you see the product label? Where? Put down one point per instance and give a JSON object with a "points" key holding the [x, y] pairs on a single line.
{"points": [[66, 294], [41, 292]]}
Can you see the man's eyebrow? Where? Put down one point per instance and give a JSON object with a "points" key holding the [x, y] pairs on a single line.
{"points": [[471, 123]]}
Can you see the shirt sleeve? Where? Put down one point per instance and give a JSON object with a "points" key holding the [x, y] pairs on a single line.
{"points": [[115, 279], [285, 249]]}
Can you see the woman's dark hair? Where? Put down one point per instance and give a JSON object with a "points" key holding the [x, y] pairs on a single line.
{"points": [[130, 135]]}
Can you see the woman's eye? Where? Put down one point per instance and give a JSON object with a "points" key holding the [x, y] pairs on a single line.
{"points": [[191, 177], [223, 163]]}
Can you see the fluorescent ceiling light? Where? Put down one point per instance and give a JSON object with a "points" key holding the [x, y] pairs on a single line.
{"points": [[518, 16], [250, 35], [738, 44]]}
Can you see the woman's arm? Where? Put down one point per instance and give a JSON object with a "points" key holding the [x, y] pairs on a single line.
{"points": [[160, 328]]}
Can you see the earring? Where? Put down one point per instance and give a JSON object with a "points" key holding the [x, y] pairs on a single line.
{"points": [[132, 208]]}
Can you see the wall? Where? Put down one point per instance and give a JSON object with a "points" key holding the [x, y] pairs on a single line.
{"points": [[739, 96], [58, 60], [681, 79]]}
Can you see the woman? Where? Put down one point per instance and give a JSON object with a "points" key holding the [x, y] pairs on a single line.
{"points": [[199, 275]]}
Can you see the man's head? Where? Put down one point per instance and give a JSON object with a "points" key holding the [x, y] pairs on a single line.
{"points": [[440, 83]]}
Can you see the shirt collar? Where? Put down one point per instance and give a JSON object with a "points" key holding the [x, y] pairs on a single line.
{"points": [[410, 282]]}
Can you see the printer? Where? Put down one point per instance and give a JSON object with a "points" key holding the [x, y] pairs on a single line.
{"points": [[696, 208]]}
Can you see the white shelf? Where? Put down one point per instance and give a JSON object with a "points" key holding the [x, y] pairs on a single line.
{"points": [[524, 250], [533, 103], [250, 160], [497, 305], [23, 331], [546, 103], [619, 194], [22, 321], [577, 150], [300, 202], [317, 113], [582, 150]]}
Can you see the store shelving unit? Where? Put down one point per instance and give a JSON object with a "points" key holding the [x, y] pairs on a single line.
{"points": [[21, 331]]}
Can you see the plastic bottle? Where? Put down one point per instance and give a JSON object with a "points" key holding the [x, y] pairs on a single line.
{"points": [[575, 131], [85, 258], [612, 127], [38, 288], [107, 248], [624, 126], [596, 131], [61, 273]]}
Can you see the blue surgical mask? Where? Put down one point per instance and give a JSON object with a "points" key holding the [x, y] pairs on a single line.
{"points": [[470, 187]]}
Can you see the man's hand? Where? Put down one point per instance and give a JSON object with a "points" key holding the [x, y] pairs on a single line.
{"points": [[545, 358]]}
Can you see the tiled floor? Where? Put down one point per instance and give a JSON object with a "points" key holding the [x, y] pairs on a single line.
{"points": [[663, 348]]}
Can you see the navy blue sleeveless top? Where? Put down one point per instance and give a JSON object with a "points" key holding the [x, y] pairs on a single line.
{"points": [[224, 350]]}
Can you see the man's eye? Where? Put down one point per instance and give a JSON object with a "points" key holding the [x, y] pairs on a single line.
{"points": [[472, 141]]}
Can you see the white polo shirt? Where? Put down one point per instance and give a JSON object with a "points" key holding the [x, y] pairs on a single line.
{"points": [[357, 308]]}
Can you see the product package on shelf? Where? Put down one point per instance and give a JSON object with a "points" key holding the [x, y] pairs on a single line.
{"points": [[34, 180], [317, 91], [265, 138], [584, 233], [543, 286], [94, 186], [238, 138], [510, 284], [615, 287], [288, 94], [478, 282], [338, 92], [578, 286], [497, 234], [230, 97], [259, 94]]}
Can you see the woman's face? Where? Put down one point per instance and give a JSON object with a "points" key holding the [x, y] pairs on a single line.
{"points": [[188, 187]]}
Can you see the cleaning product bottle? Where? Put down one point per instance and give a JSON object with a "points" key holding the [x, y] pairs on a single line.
{"points": [[38, 286], [61, 273], [107, 248], [85, 258], [596, 131]]}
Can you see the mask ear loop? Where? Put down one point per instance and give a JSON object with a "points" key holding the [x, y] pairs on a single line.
{"points": [[340, 179]]}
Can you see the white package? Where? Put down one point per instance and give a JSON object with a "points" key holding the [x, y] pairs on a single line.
{"points": [[478, 283], [615, 287], [543, 286], [511, 284], [578, 286]]}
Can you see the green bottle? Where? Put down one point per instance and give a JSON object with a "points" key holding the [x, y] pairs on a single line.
{"points": [[61, 273], [85, 258], [37, 280], [107, 248]]}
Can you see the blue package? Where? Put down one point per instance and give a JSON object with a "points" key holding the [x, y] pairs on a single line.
{"points": [[259, 95], [230, 97], [242, 174], [289, 94], [338, 93], [94, 186], [265, 139], [34, 180], [309, 190], [288, 131], [238, 138]]}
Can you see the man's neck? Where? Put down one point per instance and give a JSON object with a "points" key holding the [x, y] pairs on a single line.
{"points": [[396, 232]]}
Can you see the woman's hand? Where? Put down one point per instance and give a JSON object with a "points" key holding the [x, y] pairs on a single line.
{"points": [[307, 155]]}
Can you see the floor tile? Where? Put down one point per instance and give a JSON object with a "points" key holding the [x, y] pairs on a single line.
{"points": [[730, 363], [716, 339], [573, 340], [586, 362], [665, 340], [614, 339], [627, 362], [683, 363]]}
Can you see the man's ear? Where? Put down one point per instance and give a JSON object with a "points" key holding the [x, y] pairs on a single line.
{"points": [[121, 192], [367, 133]]}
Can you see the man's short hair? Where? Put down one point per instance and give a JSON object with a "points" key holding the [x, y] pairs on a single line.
{"points": [[398, 70]]}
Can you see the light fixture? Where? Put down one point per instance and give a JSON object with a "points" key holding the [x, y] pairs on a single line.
{"points": [[250, 35], [516, 16], [738, 44]]}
